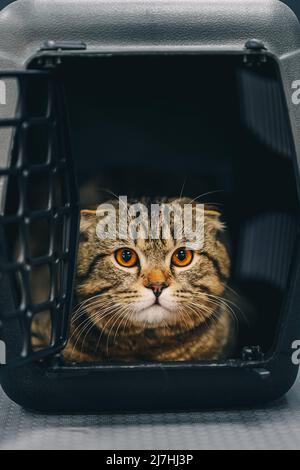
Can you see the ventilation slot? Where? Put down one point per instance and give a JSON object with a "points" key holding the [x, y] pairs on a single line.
{"points": [[263, 111]]}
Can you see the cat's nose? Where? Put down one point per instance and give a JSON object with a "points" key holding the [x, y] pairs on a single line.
{"points": [[157, 288]]}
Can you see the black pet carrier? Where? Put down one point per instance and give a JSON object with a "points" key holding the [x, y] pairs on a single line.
{"points": [[138, 97]]}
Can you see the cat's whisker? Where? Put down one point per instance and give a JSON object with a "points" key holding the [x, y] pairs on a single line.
{"points": [[91, 299], [104, 310], [90, 318], [108, 191], [207, 194], [231, 290], [79, 306], [185, 312], [116, 316], [223, 301], [122, 310], [129, 319], [88, 323], [103, 328], [219, 303], [93, 323], [87, 303], [89, 307], [80, 330], [183, 317], [210, 311], [87, 329], [98, 302], [102, 331], [126, 314], [231, 312], [182, 188], [229, 302], [198, 312], [88, 326]]}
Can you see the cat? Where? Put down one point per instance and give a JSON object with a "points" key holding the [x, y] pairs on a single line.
{"points": [[152, 300]]}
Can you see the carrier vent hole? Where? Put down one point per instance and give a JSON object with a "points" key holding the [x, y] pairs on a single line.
{"points": [[37, 137], [15, 246], [39, 237], [40, 284], [38, 191], [61, 188], [10, 157], [41, 330], [18, 291], [13, 184], [35, 97]]}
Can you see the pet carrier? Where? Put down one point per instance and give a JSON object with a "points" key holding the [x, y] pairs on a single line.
{"points": [[136, 96]]}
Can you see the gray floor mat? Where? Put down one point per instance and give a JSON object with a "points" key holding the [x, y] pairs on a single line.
{"points": [[273, 427]]}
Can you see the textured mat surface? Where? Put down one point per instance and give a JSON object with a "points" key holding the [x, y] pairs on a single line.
{"points": [[274, 427]]}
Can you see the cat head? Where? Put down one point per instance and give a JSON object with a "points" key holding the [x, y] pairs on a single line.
{"points": [[151, 283]]}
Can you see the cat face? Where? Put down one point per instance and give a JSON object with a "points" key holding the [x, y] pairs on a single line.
{"points": [[151, 283]]}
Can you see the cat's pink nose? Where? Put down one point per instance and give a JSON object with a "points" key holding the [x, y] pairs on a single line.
{"points": [[157, 288]]}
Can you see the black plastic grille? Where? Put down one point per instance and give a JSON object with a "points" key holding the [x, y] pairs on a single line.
{"points": [[39, 217]]}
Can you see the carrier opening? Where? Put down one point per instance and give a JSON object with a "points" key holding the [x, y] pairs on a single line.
{"points": [[213, 128]]}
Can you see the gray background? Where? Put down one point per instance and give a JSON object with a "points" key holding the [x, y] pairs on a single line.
{"points": [[275, 427]]}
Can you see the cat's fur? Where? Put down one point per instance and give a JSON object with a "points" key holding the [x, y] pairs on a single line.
{"points": [[116, 318]]}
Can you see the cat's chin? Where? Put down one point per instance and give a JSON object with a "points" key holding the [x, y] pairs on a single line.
{"points": [[153, 315]]}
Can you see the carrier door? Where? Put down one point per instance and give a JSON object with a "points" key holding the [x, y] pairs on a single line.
{"points": [[38, 217]]}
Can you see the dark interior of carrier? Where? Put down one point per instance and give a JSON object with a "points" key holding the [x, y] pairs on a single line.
{"points": [[160, 125]]}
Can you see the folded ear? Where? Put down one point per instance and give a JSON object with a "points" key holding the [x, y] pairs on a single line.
{"points": [[213, 217], [88, 212], [87, 220], [211, 210]]}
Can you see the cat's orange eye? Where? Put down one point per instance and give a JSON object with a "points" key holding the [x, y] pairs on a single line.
{"points": [[182, 257], [127, 257]]}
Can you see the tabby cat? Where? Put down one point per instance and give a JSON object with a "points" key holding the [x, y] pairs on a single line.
{"points": [[151, 300]]}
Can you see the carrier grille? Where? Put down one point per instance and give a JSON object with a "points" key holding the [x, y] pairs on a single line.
{"points": [[39, 215]]}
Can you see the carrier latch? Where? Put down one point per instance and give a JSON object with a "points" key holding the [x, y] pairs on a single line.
{"points": [[255, 45], [63, 46], [252, 354], [255, 52]]}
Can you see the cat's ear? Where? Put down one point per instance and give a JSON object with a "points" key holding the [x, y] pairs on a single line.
{"points": [[87, 220], [88, 212], [213, 217]]}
